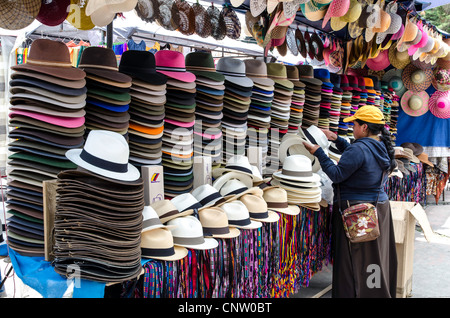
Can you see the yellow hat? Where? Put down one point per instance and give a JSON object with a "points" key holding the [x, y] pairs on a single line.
{"points": [[369, 114]]}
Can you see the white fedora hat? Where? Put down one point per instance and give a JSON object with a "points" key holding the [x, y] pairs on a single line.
{"points": [[233, 189], [189, 233], [150, 219], [238, 216], [297, 168], [185, 202], [317, 137], [220, 181], [277, 200], [158, 244], [215, 223], [105, 153], [236, 163], [207, 195], [292, 144], [257, 208]]}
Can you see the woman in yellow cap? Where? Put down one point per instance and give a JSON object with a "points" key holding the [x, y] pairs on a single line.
{"points": [[367, 269]]}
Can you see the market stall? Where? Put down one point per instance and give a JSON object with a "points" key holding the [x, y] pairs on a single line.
{"points": [[157, 151]]}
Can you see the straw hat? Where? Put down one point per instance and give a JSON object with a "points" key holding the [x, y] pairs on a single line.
{"points": [[146, 10], [337, 8], [399, 60], [16, 15], [218, 26], [439, 104], [277, 201], [188, 232], [215, 224], [441, 79], [202, 22], [416, 79], [313, 11], [158, 244], [409, 34], [415, 103], [258, 209], [239, 216], [380, 62], [232, 23]]}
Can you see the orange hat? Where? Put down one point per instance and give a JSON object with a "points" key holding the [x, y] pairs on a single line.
{"points": [[369, 114]]}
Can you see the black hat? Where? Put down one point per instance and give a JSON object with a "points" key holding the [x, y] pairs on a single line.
{"points": [[141, 65]]}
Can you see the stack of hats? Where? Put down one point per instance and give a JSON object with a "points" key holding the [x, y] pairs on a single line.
{"points": [[146, 109], [346, 105], [325, 97], [178, 135], [298, 99], [260, 107], [300, 182], [209, 104], [363, 94], [99, 211], [108, 91], [356, 96], [313, 88], [236, 104], [336, 102], [371, 94], [47, 118], [281, 108]]}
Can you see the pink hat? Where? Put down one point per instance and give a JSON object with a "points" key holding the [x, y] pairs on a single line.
{"points": [[380, 62], [209, 136], [415, 103], [68, 122], [180, 123], [172, 64], [337, 8], [439, 104], [423, 41], [399, 34]]}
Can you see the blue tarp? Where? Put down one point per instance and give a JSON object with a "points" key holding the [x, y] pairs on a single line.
{"points": [[427, 130]]}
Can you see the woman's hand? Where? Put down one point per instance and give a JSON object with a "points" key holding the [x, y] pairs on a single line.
{"points": [[330, 135], [310, 147]]}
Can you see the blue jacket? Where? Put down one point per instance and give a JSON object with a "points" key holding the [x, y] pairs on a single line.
{"points": [[359, 169]]}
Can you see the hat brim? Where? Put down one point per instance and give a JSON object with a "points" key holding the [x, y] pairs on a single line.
{"points": [[67, 73], [132, 173], [314, 178], [208, 244], [290, 210], [234, 232], [115, 76], [186, 77], [179, 253], [271, 218], [243, 81]]}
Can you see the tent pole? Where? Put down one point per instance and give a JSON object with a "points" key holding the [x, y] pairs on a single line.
{"points": [[109, 35]]}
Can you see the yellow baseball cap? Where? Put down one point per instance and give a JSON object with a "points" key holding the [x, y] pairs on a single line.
{"points": [[369, 114]]}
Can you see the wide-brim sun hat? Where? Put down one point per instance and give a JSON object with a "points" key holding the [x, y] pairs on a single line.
{"points": [[380, 62], [439, 104], [416, 79], [415, 103], [16, 15], [105, 153]]}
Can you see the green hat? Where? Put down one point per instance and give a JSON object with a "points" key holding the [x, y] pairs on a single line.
{"points": [[202, 64], [277, 72]]}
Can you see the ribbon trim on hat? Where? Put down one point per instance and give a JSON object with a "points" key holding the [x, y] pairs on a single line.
{"points": [[151, 222], [259, 215], [189, 240], [170, 213], [201, 68], [277, 205], [239, 168], [45, 63], [232, 73], [104, 164], [105, 67], [208, 231], [296, 173], [243, 222], [210, 198], [171, 69], [158, 251]]}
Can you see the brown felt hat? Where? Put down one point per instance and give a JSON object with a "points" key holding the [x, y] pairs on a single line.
{"points": [[57, 64]]}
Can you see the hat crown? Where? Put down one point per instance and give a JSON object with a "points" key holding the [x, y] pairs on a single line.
{"points": [[206, 194], [213, 217], [164, 208], [184, 201], [239, 162], [231, 65], [157, 239], [136, 59], [236, 210], [415, 102], [277, 70], [298, 163], [107, 145], [98, 57], [232, 186], [186, 227], [292, 72], [418, 76], [275, 195], [39, 53], [305, 71], [169, 59], [199, 59], [254, 203], [255, 67]]}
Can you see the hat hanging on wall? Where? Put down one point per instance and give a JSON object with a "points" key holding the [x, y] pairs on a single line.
{"points": [[416, 79], [398, 59], [439, 104], [166, 15], [380, 62], [53, 13], [218, 26], [415, 103], [147, 10], [337, 8], [441, 79], [202, 21], [354, 11]]}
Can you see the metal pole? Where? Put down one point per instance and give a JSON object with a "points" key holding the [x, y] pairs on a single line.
{"points": [[109, 35]]}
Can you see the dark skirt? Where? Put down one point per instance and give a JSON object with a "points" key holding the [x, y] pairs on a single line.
{"points": [[368, 269]]}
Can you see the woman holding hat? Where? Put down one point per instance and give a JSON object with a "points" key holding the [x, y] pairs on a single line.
{"points": [[358, 177]]}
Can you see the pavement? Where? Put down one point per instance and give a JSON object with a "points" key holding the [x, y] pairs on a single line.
{"points": [[431, 259]]}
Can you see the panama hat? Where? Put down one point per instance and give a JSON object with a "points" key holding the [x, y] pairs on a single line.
{"points": [[158, 244], [187, 232], [239, 216], [233, 189], [207, 195], [416, 79], [292, 144], [237, 163], [215, 224], [167, 211], [150, 220], [257, 208], [415, 103], [16, 15], [245, 179], [105, 153], [297, 168], [439, 104], [276, 198], [57, 64]]}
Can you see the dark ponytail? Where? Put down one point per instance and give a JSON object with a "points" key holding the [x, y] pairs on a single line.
{"points": [[385, 137]]}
